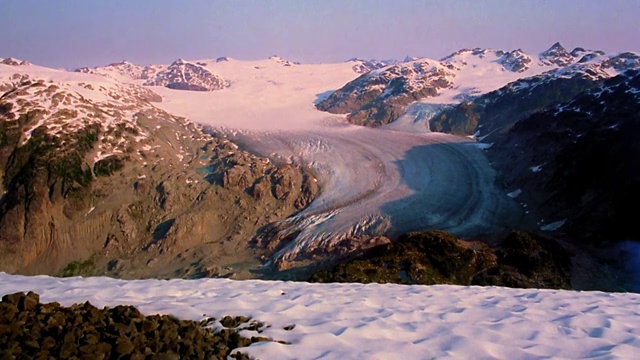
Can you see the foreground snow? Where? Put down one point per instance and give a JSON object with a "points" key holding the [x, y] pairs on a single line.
{"points": [[338, 321]]}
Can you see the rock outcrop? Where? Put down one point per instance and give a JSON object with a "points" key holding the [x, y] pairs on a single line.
{"points": [[435, 257], [379, 97], [184, 75], [30, 329]]}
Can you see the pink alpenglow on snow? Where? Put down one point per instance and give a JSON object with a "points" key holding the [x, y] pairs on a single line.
{"points": [[374, 321]]}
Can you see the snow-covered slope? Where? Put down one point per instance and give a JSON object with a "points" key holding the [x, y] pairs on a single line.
{"points": [[355, 321], [490, 114], [67, 102], [270, 94]]}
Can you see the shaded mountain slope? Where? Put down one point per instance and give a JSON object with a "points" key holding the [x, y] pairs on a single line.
{"points": [[577, 162]]}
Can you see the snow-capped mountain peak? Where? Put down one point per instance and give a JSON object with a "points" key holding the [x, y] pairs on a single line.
{"points": [[185, 75], [515, 60], [556, 55], [581, 53], [380, 96]]}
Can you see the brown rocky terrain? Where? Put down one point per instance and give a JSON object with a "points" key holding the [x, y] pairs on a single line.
{"points": [[30, 329], [121, 188]]}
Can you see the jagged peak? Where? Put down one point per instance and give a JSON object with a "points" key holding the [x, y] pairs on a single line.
{"points": [[556, 55], [556, 46]]}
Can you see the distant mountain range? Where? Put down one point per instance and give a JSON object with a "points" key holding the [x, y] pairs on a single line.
{"points": [[379, 97]]}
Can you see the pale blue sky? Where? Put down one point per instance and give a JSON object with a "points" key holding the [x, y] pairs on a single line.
{"points": [[73, 33]]}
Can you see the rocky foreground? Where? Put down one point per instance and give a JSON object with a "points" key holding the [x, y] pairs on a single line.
{"points": [[30, 329]]}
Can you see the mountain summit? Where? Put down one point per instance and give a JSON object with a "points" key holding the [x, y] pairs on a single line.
{"points": [[556, 55], [184, 75]]}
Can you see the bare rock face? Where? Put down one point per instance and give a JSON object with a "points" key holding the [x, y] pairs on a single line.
{"points": [[183, 75]]}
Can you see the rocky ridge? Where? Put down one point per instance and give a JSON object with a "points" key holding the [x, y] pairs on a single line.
{"points": [[126, 70], [184, 75], [362, 66], [489, 115], [381, 96], [13, 62], [180, 75]]}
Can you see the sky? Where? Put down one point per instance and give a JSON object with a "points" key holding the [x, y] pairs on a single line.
{"points": [[74, 33]]}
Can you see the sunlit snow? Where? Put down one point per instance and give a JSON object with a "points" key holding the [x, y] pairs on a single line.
{"points": [[355, 321]]}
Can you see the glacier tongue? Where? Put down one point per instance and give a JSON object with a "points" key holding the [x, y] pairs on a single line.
{"points": [[374, 182]]}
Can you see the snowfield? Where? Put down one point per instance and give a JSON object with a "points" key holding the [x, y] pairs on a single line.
{"points": [[374, 181], [355, 321]]}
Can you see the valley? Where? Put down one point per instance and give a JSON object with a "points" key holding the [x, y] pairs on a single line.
{"points": [[263, 168]]}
